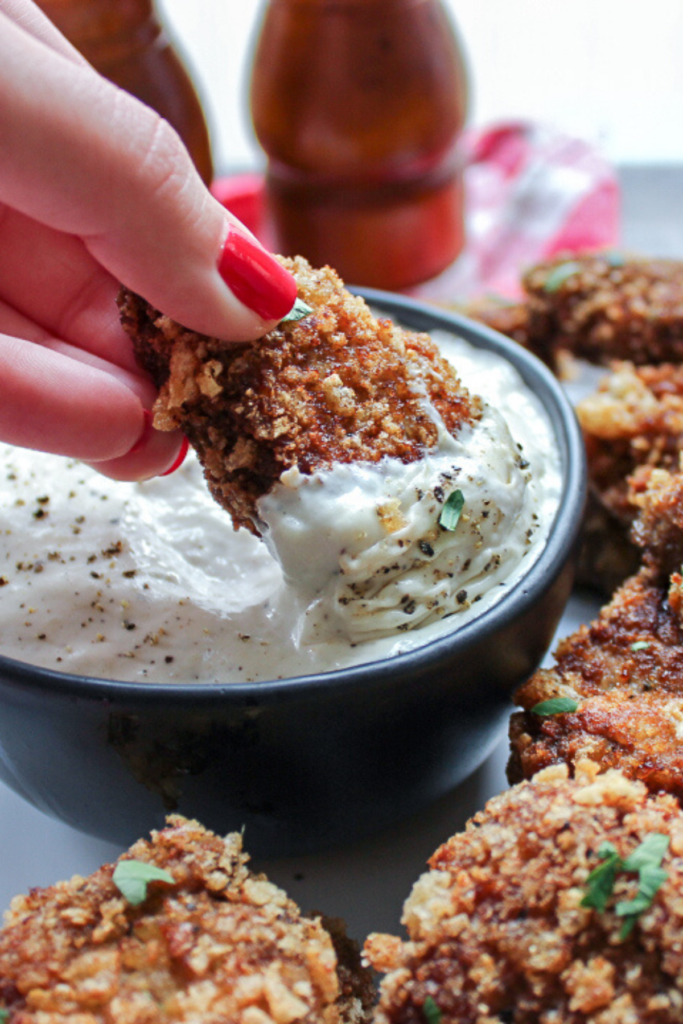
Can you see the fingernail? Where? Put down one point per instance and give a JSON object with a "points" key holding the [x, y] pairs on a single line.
{"points": [[147, 431], [177, 463], [255, 277]]}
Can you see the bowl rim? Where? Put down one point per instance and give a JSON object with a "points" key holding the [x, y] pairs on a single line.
{"points": [[520, 597]]}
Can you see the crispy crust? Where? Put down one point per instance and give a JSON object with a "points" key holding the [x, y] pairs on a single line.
{"points": [[599, 306], [608, 308], [338, 386], [631, 424], [630, 712], [221, 944], [497, 932]]}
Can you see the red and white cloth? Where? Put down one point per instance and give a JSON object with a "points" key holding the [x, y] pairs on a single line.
{"points": [[531, 192]]}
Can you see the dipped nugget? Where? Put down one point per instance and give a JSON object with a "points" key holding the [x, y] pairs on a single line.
{"points": [[338, 386], [389, 494], [559, 904], [177, 930]]}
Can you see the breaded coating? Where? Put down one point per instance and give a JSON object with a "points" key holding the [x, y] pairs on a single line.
{"points": [[632, 423], [497, 930], [603, 306], [336, 386], [218, 945], [599, 306], [625, 670]]}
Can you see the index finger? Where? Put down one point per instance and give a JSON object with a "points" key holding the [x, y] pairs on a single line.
{"points": [[83, 157]]}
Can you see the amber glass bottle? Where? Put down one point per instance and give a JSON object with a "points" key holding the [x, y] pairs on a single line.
{"points": [[358, 105], [125, 42]]}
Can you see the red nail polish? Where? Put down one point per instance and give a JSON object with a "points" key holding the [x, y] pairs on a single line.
{"points": [[184, 448], [147, 429], [255, 278]]}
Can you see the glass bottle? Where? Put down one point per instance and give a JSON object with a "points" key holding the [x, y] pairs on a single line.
{"points": [[125, 42], [358, 105]]}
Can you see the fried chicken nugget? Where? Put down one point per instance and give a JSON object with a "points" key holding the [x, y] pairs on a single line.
{"points": [[336, 386], [624, 671], [498, 930], [214, 944]]}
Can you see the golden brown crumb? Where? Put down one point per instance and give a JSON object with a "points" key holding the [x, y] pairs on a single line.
{"points": [[337, 386], [219, 944], [632, 423], [497, 932], [625, 670], [598, 306], [603, 306]]}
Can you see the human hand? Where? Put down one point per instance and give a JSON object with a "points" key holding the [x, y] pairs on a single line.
{"points": [[95, 189]]}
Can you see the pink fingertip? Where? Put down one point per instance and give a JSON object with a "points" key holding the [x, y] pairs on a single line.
{"points": [[147, 431]]}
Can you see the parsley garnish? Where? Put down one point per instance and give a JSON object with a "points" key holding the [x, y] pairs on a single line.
{"points": [[558, 275], [299, 310], [4, 1015], [131, 877], [640, 645], [646, 860], [555, 706], [601, 879], [452, 510], [431, 1011]]}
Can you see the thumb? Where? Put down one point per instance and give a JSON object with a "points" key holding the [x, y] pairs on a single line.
{"points": [[86, 158]]}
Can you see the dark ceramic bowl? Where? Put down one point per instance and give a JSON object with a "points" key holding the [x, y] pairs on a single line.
{"points": [[302, 763]]}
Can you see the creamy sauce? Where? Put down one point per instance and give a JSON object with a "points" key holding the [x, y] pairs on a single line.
{"points": [[150, 582]]}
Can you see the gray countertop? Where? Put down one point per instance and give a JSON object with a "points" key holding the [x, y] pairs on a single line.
{"points": [[366, 882]]}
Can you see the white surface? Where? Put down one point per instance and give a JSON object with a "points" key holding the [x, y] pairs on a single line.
{"points": [[608, 71]]}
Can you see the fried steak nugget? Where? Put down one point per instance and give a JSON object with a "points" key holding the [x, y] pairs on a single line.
{"points": [[631, 424], [624, 670], [602, 306], [219, 944], [598, 306], [336, 386], [497, 930]]}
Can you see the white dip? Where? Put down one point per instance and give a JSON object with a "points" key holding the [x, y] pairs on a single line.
{"points": [[150, 582]]}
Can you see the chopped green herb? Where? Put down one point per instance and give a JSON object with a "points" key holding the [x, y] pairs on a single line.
{"points": [[558, 275], [614, 258], [555, 706], [452, 510], [131, 877], [651, 851], [4, 1015], [640, 645], [299, 310], [431, 1011], [646, 859], [601, 879]]}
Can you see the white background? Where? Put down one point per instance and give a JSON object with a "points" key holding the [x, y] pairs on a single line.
{"points": [[610, 71]]}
